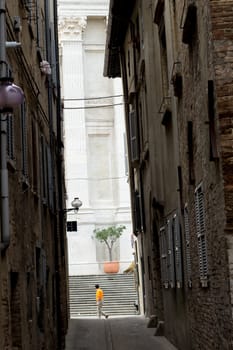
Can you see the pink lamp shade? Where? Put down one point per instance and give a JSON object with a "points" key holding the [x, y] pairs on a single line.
{"points": [[11, 95]]}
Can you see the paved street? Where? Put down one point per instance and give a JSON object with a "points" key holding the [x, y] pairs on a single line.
{"points": [[118, 333]]}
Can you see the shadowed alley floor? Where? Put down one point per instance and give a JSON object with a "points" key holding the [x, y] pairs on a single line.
{"points": [[116, 333]]}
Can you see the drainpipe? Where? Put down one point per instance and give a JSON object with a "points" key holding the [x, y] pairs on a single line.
{"points": [[4, 190]]}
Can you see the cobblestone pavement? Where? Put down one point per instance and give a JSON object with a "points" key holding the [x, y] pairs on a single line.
{"points": [[116, 333]]}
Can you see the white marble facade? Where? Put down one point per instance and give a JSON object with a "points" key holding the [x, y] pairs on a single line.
{"points": [[94, 130]]}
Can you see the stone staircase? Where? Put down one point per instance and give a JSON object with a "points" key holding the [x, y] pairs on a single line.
{"points": [[119, 294]]}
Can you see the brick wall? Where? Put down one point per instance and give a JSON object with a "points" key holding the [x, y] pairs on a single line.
{"points": [[222, 19]]}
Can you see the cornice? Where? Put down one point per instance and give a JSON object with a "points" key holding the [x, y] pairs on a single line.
{"points": [[68, 8]]}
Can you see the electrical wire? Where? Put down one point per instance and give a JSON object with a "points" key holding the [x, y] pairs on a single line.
{"points": [[89, 107], [90, 98], [97, 178]]}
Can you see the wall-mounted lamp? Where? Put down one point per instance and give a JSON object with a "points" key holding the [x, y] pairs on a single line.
{"points": [[11, 95], [76, 204]]}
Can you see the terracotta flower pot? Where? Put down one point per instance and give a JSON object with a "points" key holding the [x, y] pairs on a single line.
{"points": [[111, 266]]}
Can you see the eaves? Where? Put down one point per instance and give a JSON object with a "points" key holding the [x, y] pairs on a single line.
{"points": [[120, 12]]}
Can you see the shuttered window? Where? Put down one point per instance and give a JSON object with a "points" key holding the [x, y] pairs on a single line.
{"points": [[170, 254], [177, 246], [163, 256], [133, 136], [187, 243], [201, 234]]}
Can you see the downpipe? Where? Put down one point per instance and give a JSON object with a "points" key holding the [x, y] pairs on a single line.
{"points": [[4, 190], [5, 227]]}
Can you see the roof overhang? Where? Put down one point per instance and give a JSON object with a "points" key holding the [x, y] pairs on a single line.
{"points": [[120, 12]]}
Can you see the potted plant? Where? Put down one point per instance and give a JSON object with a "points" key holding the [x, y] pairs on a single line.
{"points": [[109, 236]]}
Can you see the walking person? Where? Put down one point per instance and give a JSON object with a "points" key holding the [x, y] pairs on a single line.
{"points": [[99, 301]]}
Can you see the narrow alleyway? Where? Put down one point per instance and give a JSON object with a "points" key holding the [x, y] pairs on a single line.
{"points": [[117, 333]]}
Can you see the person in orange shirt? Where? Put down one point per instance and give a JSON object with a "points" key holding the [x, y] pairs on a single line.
{"points": [[99, 301]]}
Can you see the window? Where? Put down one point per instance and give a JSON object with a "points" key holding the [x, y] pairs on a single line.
{"points": [[171, 253], [212, 128], [72, 226], [201, 235], [190, 152], [190, 23], [177, 250]]}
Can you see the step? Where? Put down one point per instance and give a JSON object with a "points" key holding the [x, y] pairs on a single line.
{"points": [[119, 291]]}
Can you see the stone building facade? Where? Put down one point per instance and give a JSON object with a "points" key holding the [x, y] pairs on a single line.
{"points": [[175, 59], [33, 268], [94, 139]]}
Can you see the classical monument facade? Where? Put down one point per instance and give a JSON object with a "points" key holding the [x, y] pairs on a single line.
{"points": [[33, 259], [175, 59], [94, 137]]}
